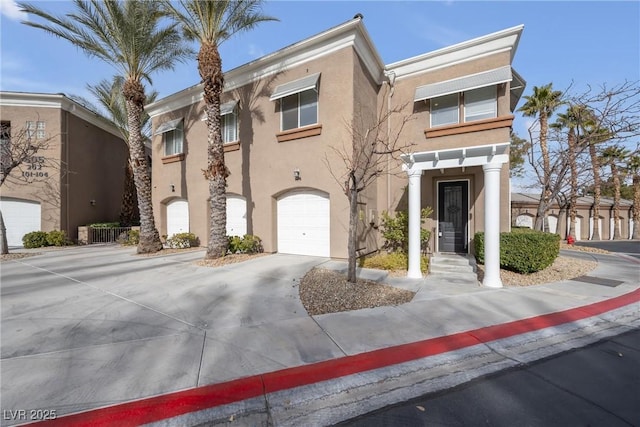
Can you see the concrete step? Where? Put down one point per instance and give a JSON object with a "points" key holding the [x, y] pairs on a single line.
{"points": [[446, 263], [454, 278]]}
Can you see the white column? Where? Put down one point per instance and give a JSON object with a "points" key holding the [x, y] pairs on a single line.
{"points": [[492, 225], [414, 224]]}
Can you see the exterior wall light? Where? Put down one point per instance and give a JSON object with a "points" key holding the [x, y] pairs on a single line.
{"points": [[173, 188], [92, 202], [296, 174]]}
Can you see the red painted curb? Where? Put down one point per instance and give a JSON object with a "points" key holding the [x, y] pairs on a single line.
{"points": [[174, 404]]}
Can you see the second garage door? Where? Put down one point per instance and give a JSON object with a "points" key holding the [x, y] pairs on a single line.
{"points": [[303, 223], [177, 217]]}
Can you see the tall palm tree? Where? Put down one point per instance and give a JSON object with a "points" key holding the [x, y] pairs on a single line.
{"points": [[129, 35], [593, 135], [210, 23], [633, 166], [542, 104], [612, 156], [108, 93], [570, 121]]}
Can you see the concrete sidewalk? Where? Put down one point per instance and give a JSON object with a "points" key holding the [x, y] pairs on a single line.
{"points": [[170, 342]]}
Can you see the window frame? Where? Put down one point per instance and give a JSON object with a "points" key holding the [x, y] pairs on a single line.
{"points": [[483, 114], [224, 118], [457, 109], [299, 108], [178, 130]]}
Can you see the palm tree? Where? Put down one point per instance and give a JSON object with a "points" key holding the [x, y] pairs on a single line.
{"points": [[542, 104], [570, 121], [594, 135], [127, 35], [109, 96], [612, 156], [634, 168], [210, 23]]}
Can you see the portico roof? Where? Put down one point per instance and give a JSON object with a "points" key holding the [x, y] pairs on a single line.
{"points": [[457, 157]]}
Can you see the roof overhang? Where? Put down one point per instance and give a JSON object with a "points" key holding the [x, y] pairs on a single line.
{"points": [[457, 157]]}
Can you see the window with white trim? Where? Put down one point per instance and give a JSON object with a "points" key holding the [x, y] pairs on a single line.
{"points": [[299, 109], [480, 104], [173, 140], [35, 129], [230, 126], [445, 110]]}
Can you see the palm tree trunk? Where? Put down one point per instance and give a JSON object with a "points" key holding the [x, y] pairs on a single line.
{"points": [[616, 202], [129, 212], [595, 166], [573, 191], [210, 68], [546, 170], [133, 92]]}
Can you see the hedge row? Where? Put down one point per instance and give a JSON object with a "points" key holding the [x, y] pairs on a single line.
{"points": [[38, 239], [523, 251]]}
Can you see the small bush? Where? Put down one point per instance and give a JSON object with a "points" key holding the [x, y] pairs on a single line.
{"points": [[35, 239], [57, 238], [395, 230], [522, 251], [105, 225], [392, 261], [183, 241], [129, 238], [247, 244]]}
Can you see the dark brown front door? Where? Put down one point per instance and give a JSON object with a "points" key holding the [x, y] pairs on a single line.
{"points": [[453, 212]]}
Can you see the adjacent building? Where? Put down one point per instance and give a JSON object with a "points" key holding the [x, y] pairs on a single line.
{"points": [[287, 115], [76, 180]]}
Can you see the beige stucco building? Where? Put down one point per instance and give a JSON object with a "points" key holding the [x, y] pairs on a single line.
{"points": [[77, 180], [524, 207], [287, 114]]}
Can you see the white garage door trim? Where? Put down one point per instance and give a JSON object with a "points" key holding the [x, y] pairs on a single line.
{"points": [[177, 217], [20, 217], [236, 216], [303, 218]]}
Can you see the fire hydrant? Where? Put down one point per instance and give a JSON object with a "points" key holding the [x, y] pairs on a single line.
{"points": [[571, 240]]}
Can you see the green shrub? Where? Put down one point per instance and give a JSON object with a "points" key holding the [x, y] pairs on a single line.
{"points": [[105, 225], [183, 241], [395, 231], [521, 251], [392, 261], [35, 239], [247, 244], [57, 238], [129, 238]]}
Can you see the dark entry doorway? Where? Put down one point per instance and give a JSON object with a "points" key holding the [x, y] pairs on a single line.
{"points": [[453, 214]]}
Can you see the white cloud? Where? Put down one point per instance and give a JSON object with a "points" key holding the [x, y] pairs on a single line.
{"points": [[11, 10]]}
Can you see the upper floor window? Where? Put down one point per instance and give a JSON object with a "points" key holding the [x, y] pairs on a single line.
{"points": [[229, 116], [480, 104], [298, 102], [445, 110], [35, 129], [172, 136], [300, 110]]}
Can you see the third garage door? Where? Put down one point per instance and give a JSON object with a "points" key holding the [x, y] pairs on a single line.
{"points": [[303, 223]]}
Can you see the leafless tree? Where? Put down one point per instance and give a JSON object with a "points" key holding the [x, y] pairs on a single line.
{"points": [[374, 140], [18, 151]]}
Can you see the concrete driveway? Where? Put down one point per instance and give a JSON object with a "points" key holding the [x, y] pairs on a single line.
{"points": [[93, 326]]}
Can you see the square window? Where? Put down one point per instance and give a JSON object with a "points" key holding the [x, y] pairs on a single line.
{"points": [[444, 110], [173, 141], [480, 104], [299, 109]]}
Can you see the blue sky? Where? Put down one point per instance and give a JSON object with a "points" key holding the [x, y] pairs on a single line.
{"points": [[579, 42]]}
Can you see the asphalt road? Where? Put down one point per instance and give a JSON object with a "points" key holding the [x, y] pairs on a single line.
{"points": [[628, 247], [598, 385]]}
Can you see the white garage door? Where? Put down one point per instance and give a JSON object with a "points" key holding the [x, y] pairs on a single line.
{"points": [[177, 217], [20, 217], [236, 216], [524, 221], [303, 223]]}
